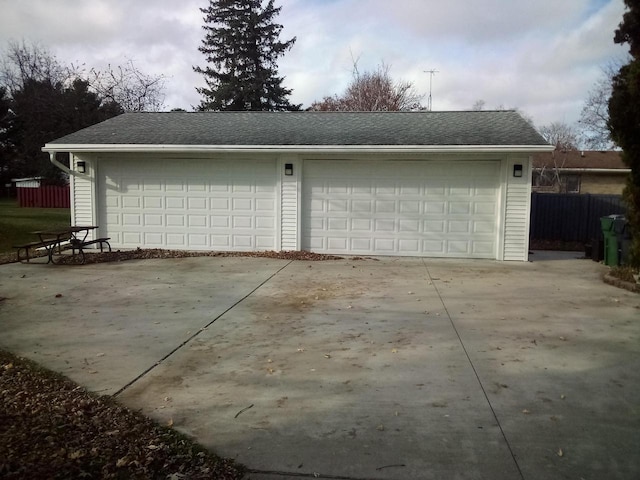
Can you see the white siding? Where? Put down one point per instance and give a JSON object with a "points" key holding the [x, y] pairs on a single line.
{"points": [[517, 206], [82, 188], [441, 207], [289, 206]]}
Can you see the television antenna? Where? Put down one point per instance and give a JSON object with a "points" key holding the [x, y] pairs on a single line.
{"points": [[430, 100]]}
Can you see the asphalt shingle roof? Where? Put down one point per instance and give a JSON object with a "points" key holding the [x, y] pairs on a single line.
{"points": [[588, 159], [484, 128]]}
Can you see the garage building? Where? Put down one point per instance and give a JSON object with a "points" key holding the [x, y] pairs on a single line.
{"points": [[435, 184]]}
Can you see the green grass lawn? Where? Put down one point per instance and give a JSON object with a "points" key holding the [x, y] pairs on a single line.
{"points": [[16, 224]]}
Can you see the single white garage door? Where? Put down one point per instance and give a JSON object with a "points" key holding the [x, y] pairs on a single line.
{"points": [[401, 208], [196, 204]]}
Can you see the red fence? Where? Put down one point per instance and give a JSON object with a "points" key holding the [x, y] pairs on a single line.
{"points": [[44, 197]]}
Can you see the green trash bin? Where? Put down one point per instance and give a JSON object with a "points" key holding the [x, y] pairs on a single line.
{"points": [[611, 257]]}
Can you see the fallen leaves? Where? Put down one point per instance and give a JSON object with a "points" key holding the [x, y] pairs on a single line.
{"points": [[152, 253], [42, 410]]}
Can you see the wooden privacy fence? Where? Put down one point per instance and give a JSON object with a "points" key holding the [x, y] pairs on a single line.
{"points": [[570, 217], [44, 197]]}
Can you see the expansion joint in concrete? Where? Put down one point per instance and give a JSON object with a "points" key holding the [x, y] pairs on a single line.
{"points": [[273, 475], [475, 372], [190, 339]]}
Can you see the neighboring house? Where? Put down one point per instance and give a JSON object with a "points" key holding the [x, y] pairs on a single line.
{"points": [[442, 184], [27, 182], [573, 171]]}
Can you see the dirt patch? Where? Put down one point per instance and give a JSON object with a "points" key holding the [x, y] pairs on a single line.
{"points": [[52, 428]]}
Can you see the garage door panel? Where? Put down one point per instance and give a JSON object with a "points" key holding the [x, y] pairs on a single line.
{"points": [[459, 208], [196, 186], [412, 226], [361, 244], [197, 220], [197, 203], [361, 224], [175, 203], [409, 246], [175, 220], [176, 186], [459, 226], [483, 248], [384, 245], [410, 206], [337, 243], [458, 247], [406, 208], [152, 220], [436, 207], [131, 202], [361, 206], [197, 240], [381, 225], [153, 202], [130, 238], [226, 204], [176, 239]]}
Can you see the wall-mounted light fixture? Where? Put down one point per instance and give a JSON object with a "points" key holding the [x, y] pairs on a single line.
{"points": [[81, 166], [517, 170], [288, 169]]}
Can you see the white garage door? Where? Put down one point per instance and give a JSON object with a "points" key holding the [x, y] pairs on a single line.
{"points": [[401, 208], [203, 204]]}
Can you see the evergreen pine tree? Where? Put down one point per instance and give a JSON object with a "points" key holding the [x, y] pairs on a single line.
{"points": [[624, 118], [241, 46]]}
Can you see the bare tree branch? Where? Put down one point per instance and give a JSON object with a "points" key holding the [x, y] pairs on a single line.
{"points": [[372, 91], [130, 88], [594, 118], [563, 136]]}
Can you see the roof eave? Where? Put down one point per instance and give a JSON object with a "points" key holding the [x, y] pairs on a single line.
{"points": [[584, 169], [141, 148]]}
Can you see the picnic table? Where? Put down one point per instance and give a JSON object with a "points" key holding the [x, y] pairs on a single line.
{"points": [[55, 241]]}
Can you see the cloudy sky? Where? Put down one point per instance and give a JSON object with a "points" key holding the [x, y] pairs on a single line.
{"points": [[542, 56]]}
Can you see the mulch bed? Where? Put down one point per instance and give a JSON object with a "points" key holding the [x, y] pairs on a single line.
{"points": [[149, 253], [52, 428]]}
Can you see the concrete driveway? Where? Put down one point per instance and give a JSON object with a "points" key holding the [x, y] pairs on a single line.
{"points": [[354, 369]]}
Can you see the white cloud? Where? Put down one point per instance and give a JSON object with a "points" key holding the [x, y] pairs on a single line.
{"points": [[541, 56]]}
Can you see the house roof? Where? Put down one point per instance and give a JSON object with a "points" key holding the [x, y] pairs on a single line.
{"points": [[580, 160], [305, 129]]}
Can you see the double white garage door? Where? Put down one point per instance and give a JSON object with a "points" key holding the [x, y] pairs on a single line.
{"points": [[401, 208], [347, 207]]}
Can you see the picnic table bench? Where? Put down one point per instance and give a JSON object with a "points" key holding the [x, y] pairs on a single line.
{"points": [[73, 238], [79, 245], [47, 243]]}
